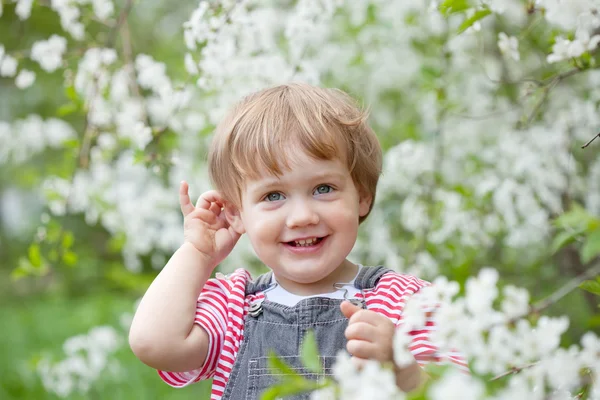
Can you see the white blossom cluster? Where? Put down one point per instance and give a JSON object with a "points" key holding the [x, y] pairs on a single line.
{"points": [[237, 45], [70, 12], [8, 69], [370, 380], [109, 194], [580, 16], [498, 340], [35, 135], [48, 53], [86, 358], [499, 343]]}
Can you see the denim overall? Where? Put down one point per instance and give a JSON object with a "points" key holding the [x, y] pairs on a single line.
{"points": [[273, 326]]}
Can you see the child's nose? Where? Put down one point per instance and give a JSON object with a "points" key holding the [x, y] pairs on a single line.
{"points": [[302, 214]]}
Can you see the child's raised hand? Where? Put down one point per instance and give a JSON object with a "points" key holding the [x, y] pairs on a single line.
{"points": [[370, 335], [205, 225]]}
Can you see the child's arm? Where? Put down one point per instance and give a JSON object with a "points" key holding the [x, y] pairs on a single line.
{"points": [[163, 333]]}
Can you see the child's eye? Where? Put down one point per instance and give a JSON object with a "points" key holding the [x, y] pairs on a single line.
{"points": [[274, 196], [323, 189]]}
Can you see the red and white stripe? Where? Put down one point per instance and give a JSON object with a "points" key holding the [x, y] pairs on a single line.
{"points": [[222, 306]]}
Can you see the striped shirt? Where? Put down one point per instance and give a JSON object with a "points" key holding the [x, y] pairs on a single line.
{"points": [[223, 305]]}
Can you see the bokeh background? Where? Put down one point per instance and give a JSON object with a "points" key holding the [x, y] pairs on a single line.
{"points": [[482, 132]]}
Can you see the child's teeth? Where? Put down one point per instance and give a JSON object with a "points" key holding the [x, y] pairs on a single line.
{"points": [[305, 242]]}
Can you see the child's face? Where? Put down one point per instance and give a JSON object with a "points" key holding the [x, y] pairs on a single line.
{"points": [[314, 201]]}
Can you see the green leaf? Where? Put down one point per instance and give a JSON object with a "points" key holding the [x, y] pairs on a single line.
{"points": [[563, 239], [67, 240], [577, 218], [291, 386], [591, 247], [70, 258], [279, 365], [23, 270], [66, 109], [591, 286], [71, 94], [448, 7], [310, 353], [139, 156], [35, 257], [467, 23]]}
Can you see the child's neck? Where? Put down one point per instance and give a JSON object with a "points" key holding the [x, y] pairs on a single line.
{"points": [[345, 273]]}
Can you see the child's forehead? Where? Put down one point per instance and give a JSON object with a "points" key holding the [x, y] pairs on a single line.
{"points": [[296, 164]]}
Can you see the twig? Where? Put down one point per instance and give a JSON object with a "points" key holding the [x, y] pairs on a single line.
{"points": [[591, 140], [513, 370], [564, 290], [112, 36]]}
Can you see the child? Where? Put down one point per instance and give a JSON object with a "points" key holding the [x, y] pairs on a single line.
{"points": [[296, 169]]}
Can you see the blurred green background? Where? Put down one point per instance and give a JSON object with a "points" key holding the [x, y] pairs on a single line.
{"points": [[39, 313]]}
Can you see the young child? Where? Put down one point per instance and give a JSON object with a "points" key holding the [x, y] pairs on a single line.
{"points": [[296, 169]]}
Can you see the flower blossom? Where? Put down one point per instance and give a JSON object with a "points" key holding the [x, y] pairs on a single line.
{"points": [[509, 45], [49, 53]]}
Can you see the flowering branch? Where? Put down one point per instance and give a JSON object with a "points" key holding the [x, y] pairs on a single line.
{"points": [[513, 370]]}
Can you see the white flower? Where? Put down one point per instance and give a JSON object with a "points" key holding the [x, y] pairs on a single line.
{"points": [[103, 8], [190, 64], [455, 385], [509, 45], [49, 53], [515, 302], [25, 79], [23, 9], [327, 393], [402, 355], [8, 66]]}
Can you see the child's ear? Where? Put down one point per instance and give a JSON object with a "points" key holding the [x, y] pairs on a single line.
{"points": [[364, 205], [233, 216]]}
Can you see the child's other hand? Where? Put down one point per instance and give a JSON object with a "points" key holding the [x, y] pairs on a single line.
{"points": [[205, 225], [370, 335]]}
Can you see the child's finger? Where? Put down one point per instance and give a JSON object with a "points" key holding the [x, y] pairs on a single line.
{"points": [[361, 331], [207, 198], [216, 208], [349, 309], [184, 199], [363, 349]]}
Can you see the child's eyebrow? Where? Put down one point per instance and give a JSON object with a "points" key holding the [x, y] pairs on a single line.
{"points": [[267, 183]]}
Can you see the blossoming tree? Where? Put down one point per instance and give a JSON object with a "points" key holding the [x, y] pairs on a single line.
{"points": [[488, 110]]}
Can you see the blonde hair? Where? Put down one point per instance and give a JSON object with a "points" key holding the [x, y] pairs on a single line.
{"points": [[267, 128]]}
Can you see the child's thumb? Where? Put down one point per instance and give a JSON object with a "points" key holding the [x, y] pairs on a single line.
{"points": [[348, 309]]}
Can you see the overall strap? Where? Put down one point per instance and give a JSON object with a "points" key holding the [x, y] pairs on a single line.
{"points": [[260, 284], [369, 276]]}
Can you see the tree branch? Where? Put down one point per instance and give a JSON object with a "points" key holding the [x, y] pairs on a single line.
{"points": [[590, 141], [513, 370], [564, 290], [112, 36]]}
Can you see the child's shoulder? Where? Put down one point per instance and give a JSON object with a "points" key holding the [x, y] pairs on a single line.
{"points": [[400, 283]]}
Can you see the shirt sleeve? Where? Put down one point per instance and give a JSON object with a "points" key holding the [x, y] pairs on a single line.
{"points": [[211, 315]]}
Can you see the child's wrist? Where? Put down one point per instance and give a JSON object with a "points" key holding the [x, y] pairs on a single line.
{"points": [[192, 251]]}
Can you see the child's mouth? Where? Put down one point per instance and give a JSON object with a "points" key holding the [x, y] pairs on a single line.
{"points": [[305, 245]]}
